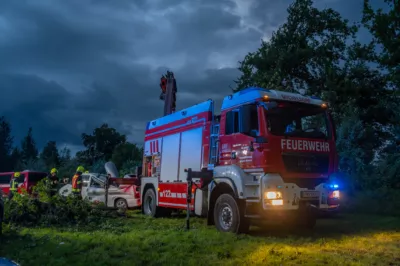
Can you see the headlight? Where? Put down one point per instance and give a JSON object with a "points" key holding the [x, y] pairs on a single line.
{"points": [[334, 194], [273, 195]]}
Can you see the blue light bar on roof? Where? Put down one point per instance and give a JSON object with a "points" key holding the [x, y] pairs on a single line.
{"points": [[252, 89], [334, 186]]}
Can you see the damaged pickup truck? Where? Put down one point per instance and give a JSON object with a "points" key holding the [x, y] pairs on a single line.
{"points": [[108, 188]]}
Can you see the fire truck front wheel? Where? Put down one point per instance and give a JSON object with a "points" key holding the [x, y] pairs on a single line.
{"points": [[228, 217], [150, 203]]}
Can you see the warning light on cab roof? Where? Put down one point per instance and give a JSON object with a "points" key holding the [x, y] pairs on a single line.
{"points": [[324, 105], [265, 97]]}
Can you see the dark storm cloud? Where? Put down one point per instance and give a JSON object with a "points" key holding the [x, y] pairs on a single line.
{"points": [[68, 66]]}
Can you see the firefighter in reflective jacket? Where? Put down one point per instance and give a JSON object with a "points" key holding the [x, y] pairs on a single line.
{"points": [[14, 185], [77, 181], [52, 180]]}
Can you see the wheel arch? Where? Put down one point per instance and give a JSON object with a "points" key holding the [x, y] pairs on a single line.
{"points": [[145, 188], [218, 187]]}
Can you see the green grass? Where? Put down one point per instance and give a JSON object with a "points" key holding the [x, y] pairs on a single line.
{"points": [[138, 240]]}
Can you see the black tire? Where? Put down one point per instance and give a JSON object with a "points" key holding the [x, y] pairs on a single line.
{"points": [[228, 217], [149, 206], [121, 203]]}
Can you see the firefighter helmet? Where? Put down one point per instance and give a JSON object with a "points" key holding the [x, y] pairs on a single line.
{"points": [[80, 169], [53, 171], [17, 174]]}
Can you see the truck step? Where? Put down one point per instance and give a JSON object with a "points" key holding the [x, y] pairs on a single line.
{"points": [[253, 200], [253, 216], [256, 184]]}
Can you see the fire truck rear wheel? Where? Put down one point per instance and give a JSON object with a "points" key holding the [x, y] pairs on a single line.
{"points": [[228, 216], [150, 203]]}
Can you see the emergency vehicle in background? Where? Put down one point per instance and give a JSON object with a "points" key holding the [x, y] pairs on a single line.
{"points": [[268, 155], [27, 180]]}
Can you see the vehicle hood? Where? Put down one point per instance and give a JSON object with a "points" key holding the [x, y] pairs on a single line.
{"points": [[111, 169]]}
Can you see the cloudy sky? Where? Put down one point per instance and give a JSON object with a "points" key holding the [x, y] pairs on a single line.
{"points": [[68, 66]]}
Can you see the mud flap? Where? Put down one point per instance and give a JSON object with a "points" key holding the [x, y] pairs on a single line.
{"points": [[200, 202]]}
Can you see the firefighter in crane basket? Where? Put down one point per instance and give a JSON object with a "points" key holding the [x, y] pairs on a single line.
{"points": [[77, 182], [163, 86]]}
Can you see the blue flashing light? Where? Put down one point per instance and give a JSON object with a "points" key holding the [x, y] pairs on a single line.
{"points": [[334, 186], [252, 89]]}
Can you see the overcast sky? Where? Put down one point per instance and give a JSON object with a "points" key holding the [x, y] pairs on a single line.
{"points": [[68, 66]]}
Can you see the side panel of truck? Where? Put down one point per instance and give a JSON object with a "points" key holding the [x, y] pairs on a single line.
{"points": [[170, 158], [184, 144]]}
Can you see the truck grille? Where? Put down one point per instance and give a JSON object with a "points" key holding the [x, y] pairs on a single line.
{"points": [[306, 163]]}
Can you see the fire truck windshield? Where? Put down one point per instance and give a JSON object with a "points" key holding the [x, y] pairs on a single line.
{"points": [[298, 120]]}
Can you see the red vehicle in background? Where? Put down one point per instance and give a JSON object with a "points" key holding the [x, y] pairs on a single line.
{"points": [[26, 181]]}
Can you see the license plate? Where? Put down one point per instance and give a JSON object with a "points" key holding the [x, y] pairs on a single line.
{"points": [[310, 194]]}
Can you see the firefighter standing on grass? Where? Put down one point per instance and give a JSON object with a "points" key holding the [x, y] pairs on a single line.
{"points": [[14, 185], [53, 181], [77, 182]]}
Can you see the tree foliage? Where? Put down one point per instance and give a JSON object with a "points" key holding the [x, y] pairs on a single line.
{"points": [[6, 142], [50, 155], [100, 144], [126, 152], [29, 150], [304, 53], [385, 29]]}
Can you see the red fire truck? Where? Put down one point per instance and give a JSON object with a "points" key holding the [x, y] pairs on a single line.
{"points": [[268, 155], [27, 180]]}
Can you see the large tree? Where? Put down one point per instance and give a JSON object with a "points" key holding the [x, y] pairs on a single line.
{"points": [[385, 29], [28, 146], [6, 142], [65, 155], [50, 155], [304, 53], [16, 160], [124, 152], [100, 144]]}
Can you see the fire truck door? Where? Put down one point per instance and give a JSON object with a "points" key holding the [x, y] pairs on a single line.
{"points": [[243, 139], [96, 191], [243, 151]]}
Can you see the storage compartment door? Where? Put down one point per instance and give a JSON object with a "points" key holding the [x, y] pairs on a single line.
{"points": [[170, 158], [191, 151]]}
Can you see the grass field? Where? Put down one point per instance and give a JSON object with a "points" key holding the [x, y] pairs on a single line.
{"points": [[138, 240]]}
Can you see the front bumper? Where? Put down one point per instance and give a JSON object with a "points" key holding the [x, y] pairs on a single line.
{"points": [[293, 197]]}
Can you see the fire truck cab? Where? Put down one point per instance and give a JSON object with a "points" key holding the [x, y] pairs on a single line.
{"points": [[271, 156]]}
